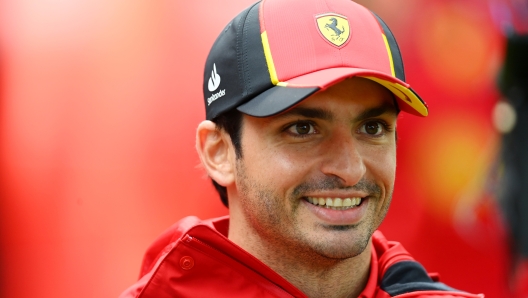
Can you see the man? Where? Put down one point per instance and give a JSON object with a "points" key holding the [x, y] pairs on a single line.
{"points": [[301, 99]]}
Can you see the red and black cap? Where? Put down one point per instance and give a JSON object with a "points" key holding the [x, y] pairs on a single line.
{"points": [[276, 53]]}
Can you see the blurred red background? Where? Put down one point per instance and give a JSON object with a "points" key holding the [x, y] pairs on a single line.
{"points": [[99, 105]]}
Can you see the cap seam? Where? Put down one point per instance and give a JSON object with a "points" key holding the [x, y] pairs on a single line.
{"points": [[262, 20], [338, 52], [266, 46], [247, 77], [239, 45]]}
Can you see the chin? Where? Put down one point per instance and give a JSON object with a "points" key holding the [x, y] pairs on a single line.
{"points": [[340, 248]]}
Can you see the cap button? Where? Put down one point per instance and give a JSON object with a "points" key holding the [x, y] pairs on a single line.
{"points": [[186, 262]]}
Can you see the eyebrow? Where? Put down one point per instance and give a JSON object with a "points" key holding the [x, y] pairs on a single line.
{"points": [[376, 111], [323, 114]]}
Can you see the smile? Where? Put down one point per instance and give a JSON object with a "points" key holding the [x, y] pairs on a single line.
{"points": [[335, 203]]}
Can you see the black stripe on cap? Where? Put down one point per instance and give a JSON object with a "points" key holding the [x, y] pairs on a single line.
{"points": [[254, 68], [395, 50], [238, 57]]}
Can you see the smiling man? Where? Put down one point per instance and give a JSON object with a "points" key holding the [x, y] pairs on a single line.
{"points": [[302, 99]]}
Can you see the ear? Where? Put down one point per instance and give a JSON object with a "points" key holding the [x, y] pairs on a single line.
{"points": [[216, 152]]}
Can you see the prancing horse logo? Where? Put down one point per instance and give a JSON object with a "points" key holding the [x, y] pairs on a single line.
{"points": [[334, 28]]}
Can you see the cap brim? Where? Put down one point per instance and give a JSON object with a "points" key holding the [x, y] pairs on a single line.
{"points": [[286, 94]]}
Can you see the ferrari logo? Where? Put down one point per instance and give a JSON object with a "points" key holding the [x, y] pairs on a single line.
{"points": [[334, 28]]}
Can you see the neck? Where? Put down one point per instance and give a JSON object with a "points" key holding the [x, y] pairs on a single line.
{"points": [[312, 273], [318, 276]]}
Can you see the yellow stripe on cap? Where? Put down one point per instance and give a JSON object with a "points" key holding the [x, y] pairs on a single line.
{"points": [[390, 55], [269, 59], [404, 95]]}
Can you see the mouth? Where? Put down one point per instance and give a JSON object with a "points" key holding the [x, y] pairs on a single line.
{"points": [[335, 203]]}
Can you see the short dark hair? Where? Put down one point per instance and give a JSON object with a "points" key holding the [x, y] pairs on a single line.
{"points": [[230, 122]]}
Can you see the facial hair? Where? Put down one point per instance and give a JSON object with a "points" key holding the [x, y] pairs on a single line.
{"points": [[273, 217]]}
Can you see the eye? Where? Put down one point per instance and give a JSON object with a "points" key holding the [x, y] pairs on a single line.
{"points": [[373, 128], [301, 128]]}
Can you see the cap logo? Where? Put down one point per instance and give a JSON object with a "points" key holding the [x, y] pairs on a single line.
{"points": [[334, 28], [214, 80]]}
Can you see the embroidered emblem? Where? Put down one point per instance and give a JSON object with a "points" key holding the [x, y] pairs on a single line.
{"points": [[334, 28]]}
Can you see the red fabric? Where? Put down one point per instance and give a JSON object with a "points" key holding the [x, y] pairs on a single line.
{"points": [[195, 259], [520, 280], [296, 50]]}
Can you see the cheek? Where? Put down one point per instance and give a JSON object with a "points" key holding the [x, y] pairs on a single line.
{"points": [[278, 167], [381, 163]]}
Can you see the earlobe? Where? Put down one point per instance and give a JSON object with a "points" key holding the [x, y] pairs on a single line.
{"points": [[215, 151]]}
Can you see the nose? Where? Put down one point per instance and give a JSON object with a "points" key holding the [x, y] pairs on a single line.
{"points": [[343, 160]]}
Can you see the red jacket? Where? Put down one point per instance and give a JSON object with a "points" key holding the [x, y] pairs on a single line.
{"points": [[195, 259]]}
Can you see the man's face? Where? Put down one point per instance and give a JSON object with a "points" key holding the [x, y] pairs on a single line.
{"points": [[336, 147]]}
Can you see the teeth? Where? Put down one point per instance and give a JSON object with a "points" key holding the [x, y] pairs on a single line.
{"points": [[335, 203]]}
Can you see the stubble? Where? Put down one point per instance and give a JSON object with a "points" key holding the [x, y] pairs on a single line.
{"points": [[273, 218]]}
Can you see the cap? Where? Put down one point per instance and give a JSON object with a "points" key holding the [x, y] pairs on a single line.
{"points": [[276, 53]]}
